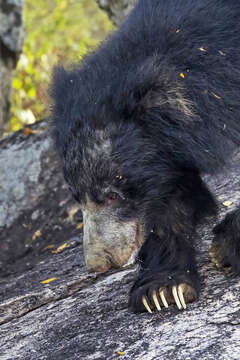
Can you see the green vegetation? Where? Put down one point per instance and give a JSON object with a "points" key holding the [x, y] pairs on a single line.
{"points": [[57, 31]]}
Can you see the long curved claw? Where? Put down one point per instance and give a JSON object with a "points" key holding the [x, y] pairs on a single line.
{"points": [[155, 300], [145, 303], [175, 296], [181, 297], [162, 296]]}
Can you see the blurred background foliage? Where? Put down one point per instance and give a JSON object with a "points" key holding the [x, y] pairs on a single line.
{"points": [[56, 31]]}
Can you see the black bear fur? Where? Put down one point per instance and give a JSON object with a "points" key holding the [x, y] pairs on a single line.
{"points": [[165, 90]]}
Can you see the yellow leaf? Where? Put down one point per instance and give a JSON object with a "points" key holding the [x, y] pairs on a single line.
{"points": [[60, 248], [182, 75], [120, 353], [72, 212], [31, 93], [49, 247], [48, 280], [17, 84], [216, 96]]}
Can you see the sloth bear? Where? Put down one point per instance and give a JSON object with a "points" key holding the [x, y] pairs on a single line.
{"points": [[137, 123]]}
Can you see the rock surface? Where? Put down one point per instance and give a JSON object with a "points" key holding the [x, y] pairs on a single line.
{"points": [[11, 24], [116, 10], [84, 316]]}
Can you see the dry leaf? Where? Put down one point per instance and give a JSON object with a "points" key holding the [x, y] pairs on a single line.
{"points": [[60, 248], [48, 280], [28, 131], [202, 49], [221, 53], [36, 235], [120, 353], [227, 203], [80, 226]]}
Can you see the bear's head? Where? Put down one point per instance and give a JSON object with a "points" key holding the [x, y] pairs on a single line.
{"points": [[105, 132]]}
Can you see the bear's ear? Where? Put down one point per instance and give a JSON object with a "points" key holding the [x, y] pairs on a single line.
{"points": [[61, 92], [155, 86], [137, 88], [167, 99], [60, 88]]}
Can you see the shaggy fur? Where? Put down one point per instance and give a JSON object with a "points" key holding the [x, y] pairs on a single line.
{"points": [[159, 104]]}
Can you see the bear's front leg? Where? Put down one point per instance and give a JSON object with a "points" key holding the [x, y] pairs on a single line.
{"points": [[168, 273]]}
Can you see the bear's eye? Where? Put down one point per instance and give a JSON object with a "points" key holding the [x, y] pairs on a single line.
{"points": [[113, 196]]}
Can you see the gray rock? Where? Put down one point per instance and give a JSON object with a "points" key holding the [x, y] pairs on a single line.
{"points": [[85, 316], [17, 185], [116, 10], [11, 24]]}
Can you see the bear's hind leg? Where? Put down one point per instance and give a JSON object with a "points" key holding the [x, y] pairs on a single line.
{"points": [[225, 248]]}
